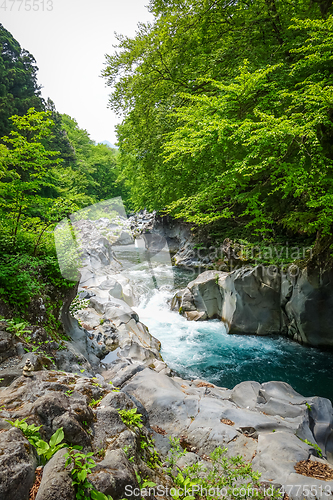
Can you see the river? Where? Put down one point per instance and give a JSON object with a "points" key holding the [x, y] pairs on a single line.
{"points": [[205, 350]]}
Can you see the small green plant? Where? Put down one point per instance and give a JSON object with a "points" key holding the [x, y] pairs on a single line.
{"points": [[95, 402], [176, 451], [217, 279], [185, 484], [309, 407], [78, 304], [69, 392], [18, 328], [229, 474], [47, 450], [47, 356], [144, 484], [314, 445], [32, 349], [30, 431], [130, 417], [127, 450], [98, 495], [82, 466], [44, 450]]}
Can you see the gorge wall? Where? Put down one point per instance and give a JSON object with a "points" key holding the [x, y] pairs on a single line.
{"points": [[261, 301]]}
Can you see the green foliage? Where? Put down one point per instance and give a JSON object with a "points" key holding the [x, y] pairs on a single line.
{"points": [[227, 474], [93, 403], [144, 483], [228, 113], [82, 466], [43, 449], [23, 277], [95, 169], [78, 304], [128, 450], [47, 450], [98, 495], [30, 431], [149, 453], [19, 328], [176, 451], [131, 418]]}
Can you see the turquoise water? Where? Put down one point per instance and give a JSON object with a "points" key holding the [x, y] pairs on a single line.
{"points": [[205, 350]]}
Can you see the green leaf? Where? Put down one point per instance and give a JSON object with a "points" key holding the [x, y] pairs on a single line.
{"points": [[57, 437], [98, 495], [42, 446], [82, 475]]}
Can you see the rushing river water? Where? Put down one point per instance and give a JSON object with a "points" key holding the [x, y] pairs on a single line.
{"points": [[204, 349]]}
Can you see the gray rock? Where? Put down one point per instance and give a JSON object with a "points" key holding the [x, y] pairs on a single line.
{"points": [[260, 300], [17, 465], [7, 348], [125, 238], [310, 307], [56, 481], [119, 374], [277, 454], [282, 391], [187, 460], [72, 360], [246, 394], [321, 424], [107, 427], [113, 474]]}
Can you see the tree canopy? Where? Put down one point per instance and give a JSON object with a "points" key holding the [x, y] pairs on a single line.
{"points": [[227, 112]]}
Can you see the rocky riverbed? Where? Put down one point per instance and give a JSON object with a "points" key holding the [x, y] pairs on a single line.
{"points": [[113, 363]]}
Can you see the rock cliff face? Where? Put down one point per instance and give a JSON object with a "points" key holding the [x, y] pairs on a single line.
{"points": [[260, 301]]}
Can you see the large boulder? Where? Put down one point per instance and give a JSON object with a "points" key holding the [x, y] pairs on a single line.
{"points": [[17, 465], [56, 482], [262, 301], [246, 300]]}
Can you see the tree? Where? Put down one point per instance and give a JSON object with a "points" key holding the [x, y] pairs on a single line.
{"points": [[19, 90], [25, 168], [228, 112], [96, 168]]}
